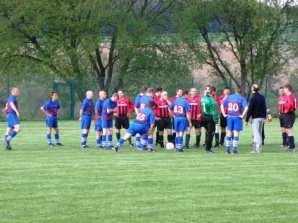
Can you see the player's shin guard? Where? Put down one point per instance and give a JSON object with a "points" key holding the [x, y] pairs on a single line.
{"points": [[179, 144], [235, 144], [284, 138], [49, 138], [229, 144], [11, 135], [187, 140], [57, 138], [198, 140], [291, 142]]}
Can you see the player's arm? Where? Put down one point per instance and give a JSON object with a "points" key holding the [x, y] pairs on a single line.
{"points": [[42, 108], [152, 122], [81, 111], [188, 116], [14, 108], [244, 112]]}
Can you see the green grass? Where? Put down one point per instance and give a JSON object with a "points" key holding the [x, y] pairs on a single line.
{"points": [[68, 185]]}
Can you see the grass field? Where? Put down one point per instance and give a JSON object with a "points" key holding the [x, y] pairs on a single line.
{"points": [[68, 185]]}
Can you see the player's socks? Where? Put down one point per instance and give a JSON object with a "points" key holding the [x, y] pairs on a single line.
{"points": [[235, 144], [57, 139], [198, 140], [104, 141], [179, 144], [118, 136], [187, 140], [98, 142], [84, 139], [150, 143], [161, 141], [229, 143], [174, 137], [157, 138], [222, 138], [144, 141], [138, 141], [284, 138], [11, 135], [291, 142], [110, 140], [49, 138]]}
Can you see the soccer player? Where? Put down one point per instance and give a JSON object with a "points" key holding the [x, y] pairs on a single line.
{"points": [[143, 124], [50, 109], [86, 113], [156, 98], [209, 117], [108, 109], [124, 109], [281, 103], [217, 126], [12, 117], [180, 108], [163, 121], [102, 95], [234, 108], [194, 101], [288, 115], [223, 120]]}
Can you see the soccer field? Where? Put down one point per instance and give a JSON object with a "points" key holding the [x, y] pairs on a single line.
{"points": [[38, 184]]}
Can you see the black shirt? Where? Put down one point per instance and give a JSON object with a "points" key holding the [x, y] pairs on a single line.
{"points": [[257, 107]]}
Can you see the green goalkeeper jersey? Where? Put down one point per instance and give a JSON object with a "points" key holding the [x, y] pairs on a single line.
{"points": [[209, 107]]}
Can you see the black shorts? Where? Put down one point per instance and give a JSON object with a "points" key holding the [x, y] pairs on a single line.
{"points": [[196, 124], [287, 120], [163, 123], [208, 124], [122, 122], [223, 121]]}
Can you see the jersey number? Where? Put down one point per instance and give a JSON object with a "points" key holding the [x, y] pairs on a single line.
{"points": [[178, 110], [233, 107], [141, 117]]}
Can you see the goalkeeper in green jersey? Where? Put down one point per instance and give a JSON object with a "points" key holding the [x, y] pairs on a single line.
{"points": [[209, 117]]}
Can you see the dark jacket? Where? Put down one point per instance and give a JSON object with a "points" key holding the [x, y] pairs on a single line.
{"points": [[257, 107]]}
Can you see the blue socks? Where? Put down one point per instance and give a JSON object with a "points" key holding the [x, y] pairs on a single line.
{"points": [[232, 144], [229, 143], [10, 136], [138, 141], [235, 144], [84, 137], [150, 143], [179, 143]]}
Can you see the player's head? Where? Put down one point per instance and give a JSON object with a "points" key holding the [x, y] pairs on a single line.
{"points": [[281, 91], [226, 91], [15, 91], [53, 95], [164, 95], [213, 90], [120, 93], [255, 88], [237, 90], [179, 93], [114, 97], [150, 92], [208, 90], [288, 89], [158, 91], [102, 95], [89, 94], [185, 93], [193, 92]]}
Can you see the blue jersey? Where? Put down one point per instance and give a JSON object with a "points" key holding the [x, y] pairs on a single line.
{"points": [[108, 109], [88, 107], [145, 117], [52, 107], [180, 107], [144, 102], [11, 99], [137, 100], [98, 107], [235, 105]]}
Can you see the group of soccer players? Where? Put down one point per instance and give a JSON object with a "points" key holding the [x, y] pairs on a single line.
{"points": [[157, 113]]}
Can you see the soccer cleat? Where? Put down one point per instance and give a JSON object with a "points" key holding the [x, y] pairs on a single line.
{"points": [[8, 147], [83, 146], [116, 148], [59, 144], [51, 145], [179, 150]]}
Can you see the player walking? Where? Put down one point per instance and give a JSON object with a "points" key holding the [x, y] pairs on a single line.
{"points": [[50, 109], [86, 113], [12, 117], [234, 108]]}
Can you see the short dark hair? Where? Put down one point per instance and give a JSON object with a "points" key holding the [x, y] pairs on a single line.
{"points": [[288, 86], [158, 89], [52, 93]]}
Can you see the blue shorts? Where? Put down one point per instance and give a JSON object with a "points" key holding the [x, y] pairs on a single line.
{"points": [[86, 122], [107, 124], [137, 129], [12, 120], [234, 123], [180, 124], [51, 122], [98, 125]]}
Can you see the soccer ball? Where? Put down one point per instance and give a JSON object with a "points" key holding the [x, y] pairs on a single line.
{"points": [[170, 146]]}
